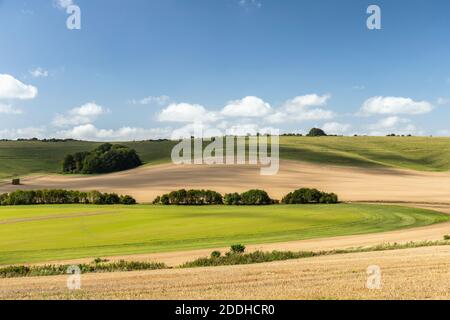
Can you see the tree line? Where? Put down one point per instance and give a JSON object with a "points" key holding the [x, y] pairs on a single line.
{"points": [[37, 197], [104, 159], [190, 197], [253, 197]]}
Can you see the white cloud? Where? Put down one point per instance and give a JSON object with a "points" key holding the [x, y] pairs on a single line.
{"points": [[336, 127], [160, 100], [39, 73], [8, 109], [315, 114], [185, 112], [222, 129], [395, 105], [392, 124], [299, 103], [248, 107], [11, 88], [25, 133], [298, 109], [249, 128], [90, 109], [90, 132], [87, 113], [301, 108], [389, 122], [277, 117], [62, 4]]}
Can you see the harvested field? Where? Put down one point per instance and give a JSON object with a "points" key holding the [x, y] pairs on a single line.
{"points": [[421, 273], [350, 183]]}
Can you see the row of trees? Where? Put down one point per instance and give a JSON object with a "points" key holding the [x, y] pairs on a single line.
{"points": [[190, 197], [33, 197], [104, 159], [250, 198]]}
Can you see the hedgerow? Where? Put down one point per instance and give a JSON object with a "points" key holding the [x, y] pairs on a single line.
{"points": [[57, 196], [95, 267]]}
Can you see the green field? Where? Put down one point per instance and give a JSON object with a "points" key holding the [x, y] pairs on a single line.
{"points": [[418, 153], [43, 233]]}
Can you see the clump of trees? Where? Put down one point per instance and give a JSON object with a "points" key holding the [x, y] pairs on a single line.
{"points": [[104, 159], [250, 198], [36, 197], [305, 196], [190, 198], [316, 132]]}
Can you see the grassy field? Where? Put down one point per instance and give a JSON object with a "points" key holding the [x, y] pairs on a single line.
{"points": [[19, 158], [426, 154], [417, 153], [43, 233]]}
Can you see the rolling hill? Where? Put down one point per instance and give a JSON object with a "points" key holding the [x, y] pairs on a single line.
{"points": [[20, 158]]}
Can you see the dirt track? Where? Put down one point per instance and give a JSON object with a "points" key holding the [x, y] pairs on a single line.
{"points": [[352, 184], [421, 273]]}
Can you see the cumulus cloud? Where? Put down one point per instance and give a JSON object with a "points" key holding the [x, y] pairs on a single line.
{"points": [[26, 133], [303, 108], [395, 105], [238, 113], [185, 112], [159, 100], [8, 109], [393, 124], [390, 122], [90, 132], [299, 103], [336, 127], [11, 88], [248, 107], [222, 129], [84, 114]]}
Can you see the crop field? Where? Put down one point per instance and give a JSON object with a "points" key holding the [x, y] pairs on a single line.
{"points": [[44, 233], [19, 158], [420, 273]]}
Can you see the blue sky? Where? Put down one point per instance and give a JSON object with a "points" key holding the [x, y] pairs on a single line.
{"points": [[143, 69]]}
